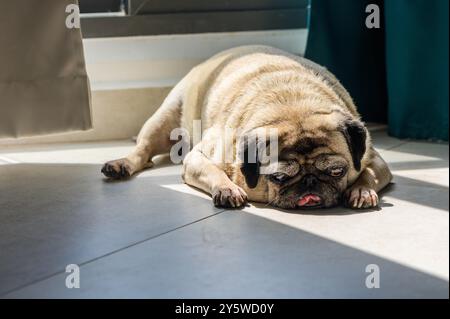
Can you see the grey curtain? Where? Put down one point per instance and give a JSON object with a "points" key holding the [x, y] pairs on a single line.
{"points": [[44, 87]]}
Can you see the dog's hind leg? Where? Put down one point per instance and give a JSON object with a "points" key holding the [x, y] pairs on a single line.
{"points": [[153, 139]]}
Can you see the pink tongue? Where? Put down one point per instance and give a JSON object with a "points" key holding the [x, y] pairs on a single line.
{"points": [[309, 200]]}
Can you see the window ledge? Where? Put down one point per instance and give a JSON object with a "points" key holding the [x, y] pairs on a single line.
{"points": [[161, 61]]}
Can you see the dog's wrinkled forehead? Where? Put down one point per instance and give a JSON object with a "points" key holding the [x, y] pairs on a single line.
{"points": [[304, 148]]}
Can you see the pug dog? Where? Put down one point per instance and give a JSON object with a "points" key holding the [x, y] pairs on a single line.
{"points": [[324, 152]]}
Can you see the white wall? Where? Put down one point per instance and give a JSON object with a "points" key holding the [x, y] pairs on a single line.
{"points": [[131, 76], [161, 61]]}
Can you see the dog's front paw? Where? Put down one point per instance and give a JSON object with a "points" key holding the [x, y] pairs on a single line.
{"points": [[361, 197], [229, 196], [118, 169]]}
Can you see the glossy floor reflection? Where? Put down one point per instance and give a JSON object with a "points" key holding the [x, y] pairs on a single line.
{"points": [[153, 236]]}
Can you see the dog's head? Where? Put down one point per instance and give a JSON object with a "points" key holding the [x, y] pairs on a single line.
{"points": [[319, 154]]}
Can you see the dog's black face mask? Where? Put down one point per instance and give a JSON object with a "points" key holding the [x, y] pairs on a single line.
{"points": [[316, 184], [306, 179]]}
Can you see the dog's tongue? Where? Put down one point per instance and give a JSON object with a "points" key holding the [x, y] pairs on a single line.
{"points": [[309, 200]]}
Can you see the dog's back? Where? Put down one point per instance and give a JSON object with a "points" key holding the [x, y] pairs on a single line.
{"points": [[212, 89]]}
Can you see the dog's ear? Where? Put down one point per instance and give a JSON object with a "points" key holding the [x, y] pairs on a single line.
{"points": [[355, 134], [250, 162]]}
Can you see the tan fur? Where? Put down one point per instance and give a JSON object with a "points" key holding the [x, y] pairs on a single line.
{"points": [[249, 88]]}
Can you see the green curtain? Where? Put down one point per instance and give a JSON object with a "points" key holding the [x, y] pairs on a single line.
{"points": [[397, 73], [417, 67]]}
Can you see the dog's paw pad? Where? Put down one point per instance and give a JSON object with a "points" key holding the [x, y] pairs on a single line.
{"points": [[229, 197], [118, 169], [361, 197]]}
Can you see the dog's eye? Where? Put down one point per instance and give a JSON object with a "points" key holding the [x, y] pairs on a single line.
{"points": [[336, 171], [279, 177]]}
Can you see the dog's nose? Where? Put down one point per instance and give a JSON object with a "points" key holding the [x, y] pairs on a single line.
{"points": [[309, 180]]}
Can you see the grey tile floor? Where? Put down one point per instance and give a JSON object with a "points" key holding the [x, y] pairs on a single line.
{"points": [[153, 236]]}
